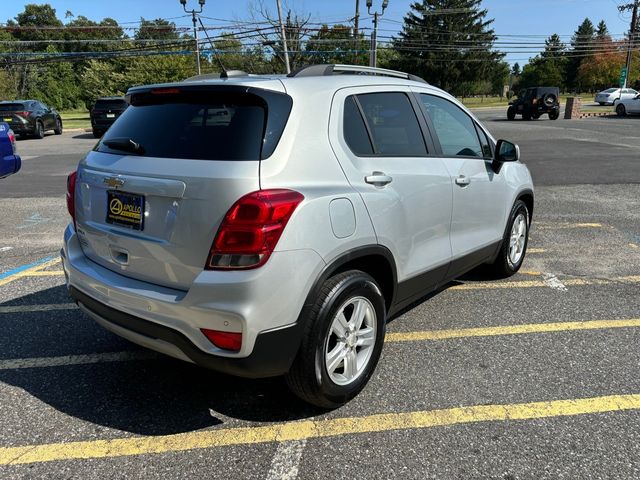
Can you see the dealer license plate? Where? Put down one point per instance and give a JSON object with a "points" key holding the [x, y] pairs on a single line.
{"points": [[125, 209]]}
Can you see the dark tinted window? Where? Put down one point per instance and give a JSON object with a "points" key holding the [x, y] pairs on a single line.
{"points": [[111, 104], [455, 129], [393, 124], [355, 131], [211, 126], [12, 107]]}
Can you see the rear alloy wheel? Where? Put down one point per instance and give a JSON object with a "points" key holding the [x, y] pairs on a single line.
{"points": [[58, 129], [514, 243], [39, 130], [621, 110], [342, 342]]}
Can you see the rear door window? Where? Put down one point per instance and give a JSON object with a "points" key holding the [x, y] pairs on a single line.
{"points": [[198, 125], [355, 130], [392, 122]]}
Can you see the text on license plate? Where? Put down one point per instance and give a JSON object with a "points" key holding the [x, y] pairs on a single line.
{"points": [[125, 209]]}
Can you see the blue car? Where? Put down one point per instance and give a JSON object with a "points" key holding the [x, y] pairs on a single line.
{"points": [[9, 161]]}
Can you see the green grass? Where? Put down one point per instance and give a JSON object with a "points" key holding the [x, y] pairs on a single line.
{"points": [[75, 119]]}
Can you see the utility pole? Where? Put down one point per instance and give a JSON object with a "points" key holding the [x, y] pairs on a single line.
{"points": [[632, 36], [194, 17], [373, 57], [284, 38], [356, 29]]}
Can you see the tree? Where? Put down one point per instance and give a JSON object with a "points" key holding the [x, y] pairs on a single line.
{"points": [[158, 29], [602, 31], [515, 70], [581, 45], [447, 42], [548, 68], [334, 44]]}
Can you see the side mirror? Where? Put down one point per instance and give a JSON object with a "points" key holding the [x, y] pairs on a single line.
{"points": [[506, 152]]}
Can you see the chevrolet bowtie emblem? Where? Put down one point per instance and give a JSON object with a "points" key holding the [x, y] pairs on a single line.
{"points": [[114, 182]]}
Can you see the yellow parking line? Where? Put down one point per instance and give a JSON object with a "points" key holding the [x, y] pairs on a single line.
{"points": [[307, 429], [510, 330], [633, 245], [48, 273], [536, 250], [30, 271], [547, 226], [38, 308]]}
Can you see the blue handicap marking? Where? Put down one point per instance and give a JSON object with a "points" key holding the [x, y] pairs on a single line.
{"points": [[33, 220]]}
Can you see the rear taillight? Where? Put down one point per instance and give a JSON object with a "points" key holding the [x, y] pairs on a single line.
{"points": [[226, 340], [12, 139], [23, 114], [71, 195], [251, 229]]}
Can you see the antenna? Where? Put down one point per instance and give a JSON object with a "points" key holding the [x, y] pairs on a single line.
{"points": [[213, 47]]}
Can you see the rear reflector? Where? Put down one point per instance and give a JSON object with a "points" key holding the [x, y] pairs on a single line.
{"points": [[165, 91], [251, 229], [231, 341]]}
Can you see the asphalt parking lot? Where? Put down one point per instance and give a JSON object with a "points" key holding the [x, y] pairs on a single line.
{"points": [[534, 377]]}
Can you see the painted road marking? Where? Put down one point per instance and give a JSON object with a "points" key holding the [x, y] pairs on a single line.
{"points": [[285, 462], [548, 226], [392, 337], [553, 282], [511, 330], [540, 283], [38, 308], [5, 249], [67, 360], [25, 270], [536, 250], [306, 429], [47, 273]]}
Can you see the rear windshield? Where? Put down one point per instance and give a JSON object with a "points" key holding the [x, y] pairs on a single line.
{"points": [[197, 125], [111, 104], [611, 90], [12, 107]]}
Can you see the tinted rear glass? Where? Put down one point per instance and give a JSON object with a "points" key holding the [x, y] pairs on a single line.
{"points": [[212, 126], [12, 107], [611, 90], [111, 104]]}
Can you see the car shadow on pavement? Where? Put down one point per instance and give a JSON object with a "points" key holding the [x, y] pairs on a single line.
{"points": [[156, 396], [84, 136]]}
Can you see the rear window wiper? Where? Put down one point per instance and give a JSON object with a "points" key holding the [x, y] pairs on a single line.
{"points": [[124, 144]]}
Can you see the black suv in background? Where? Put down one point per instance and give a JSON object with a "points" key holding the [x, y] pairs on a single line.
{"points": [[30, 118], [534, 102], [104, 113]]}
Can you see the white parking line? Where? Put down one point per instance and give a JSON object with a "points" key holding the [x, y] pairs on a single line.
{"points": [[553, 282], [41, 362], [286, 460], [38, 308]]}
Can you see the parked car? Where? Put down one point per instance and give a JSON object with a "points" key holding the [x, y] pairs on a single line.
{"points": [[613, 95], [628, 106], [534, 102], [30, 118], [104, 112], [263, 225], [9, 161]]}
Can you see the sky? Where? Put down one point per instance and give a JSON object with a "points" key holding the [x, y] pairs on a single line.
{"points": [[519, 17]]}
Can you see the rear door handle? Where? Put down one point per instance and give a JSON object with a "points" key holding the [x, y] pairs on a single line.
{"points": [[463, 181], [378, 179]]}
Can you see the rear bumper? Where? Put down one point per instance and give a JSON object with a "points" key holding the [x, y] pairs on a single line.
{"points": [[264, 304], [272, 355]]}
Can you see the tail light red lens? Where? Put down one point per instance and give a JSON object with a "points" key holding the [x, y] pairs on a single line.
{"points": [[225, 340], [23, 114], [251, 229], [71, 195]]}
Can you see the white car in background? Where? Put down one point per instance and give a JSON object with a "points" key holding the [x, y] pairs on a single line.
{"points": [[630, 105], [613, 95]]}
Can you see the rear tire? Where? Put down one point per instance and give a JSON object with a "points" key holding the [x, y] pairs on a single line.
{"points": [[342, 341], [58, 129], [554, 114], [511, 113], [39, 131], [97, 133], [621, 110], [514, 243], [602, 104]]}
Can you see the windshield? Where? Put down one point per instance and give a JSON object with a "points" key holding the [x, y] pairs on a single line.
{"points": [[610, 90], [12, 107]]}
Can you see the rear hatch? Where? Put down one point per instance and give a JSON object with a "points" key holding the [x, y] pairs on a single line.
{"points": [[15, 114], [152, 194], [106, 110]]}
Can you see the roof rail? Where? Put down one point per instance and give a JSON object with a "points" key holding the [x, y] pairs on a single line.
{"points": [[339, 69], [210, 76]]}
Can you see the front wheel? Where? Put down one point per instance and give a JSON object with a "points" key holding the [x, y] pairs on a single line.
{"points": [[342, 341], [58, 128], [514, 243]]}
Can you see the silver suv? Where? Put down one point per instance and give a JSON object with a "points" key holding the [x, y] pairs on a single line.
{"points": [[262, 226]]}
